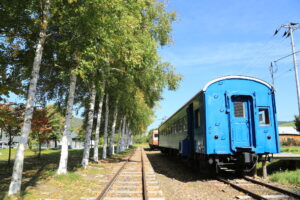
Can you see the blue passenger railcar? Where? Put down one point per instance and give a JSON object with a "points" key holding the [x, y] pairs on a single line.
{"points": [[230, 122]]}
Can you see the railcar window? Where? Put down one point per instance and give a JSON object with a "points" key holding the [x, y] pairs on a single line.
{"points": [[180, 125], [239, 109], [197, 119], [185, 123], [156, 135], [264, 118]]}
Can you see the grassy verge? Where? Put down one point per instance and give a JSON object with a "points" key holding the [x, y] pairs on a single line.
{"points": [[287, 177], [35, 169], [40, 181], [290, 149], [283, 171], [144, 145]]}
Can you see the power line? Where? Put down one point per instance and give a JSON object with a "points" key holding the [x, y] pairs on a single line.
{"points": [[286, 56], [290, 28], [274, 70], [261, 56], [284, 73]]}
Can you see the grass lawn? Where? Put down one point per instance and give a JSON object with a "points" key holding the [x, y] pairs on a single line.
{"points": [[287, 124], [146, 145], [290, 149], [287, 177], [282, 171], [40, 181]]}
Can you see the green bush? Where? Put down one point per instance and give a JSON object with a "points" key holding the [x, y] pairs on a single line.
{"points": [[297, 123], [140, 139]]}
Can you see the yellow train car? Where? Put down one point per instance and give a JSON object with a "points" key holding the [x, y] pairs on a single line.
{"points": [[153, 140]]}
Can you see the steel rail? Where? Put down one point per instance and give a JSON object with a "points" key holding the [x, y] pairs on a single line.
{"points": [[145, 192], [248, 192], [273, 187], [111, 182]]}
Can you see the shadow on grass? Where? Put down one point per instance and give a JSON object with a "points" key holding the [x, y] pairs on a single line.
{"points": [[36, 169], [277, 166], [120, 156]]}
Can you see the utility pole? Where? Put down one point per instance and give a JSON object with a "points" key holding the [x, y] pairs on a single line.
{"points": [[289, 33], [272, 73]]}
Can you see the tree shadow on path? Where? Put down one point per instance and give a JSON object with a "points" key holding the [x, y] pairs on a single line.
{"points": [[174, 167]]}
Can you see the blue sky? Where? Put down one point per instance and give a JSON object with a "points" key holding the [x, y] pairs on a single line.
{"points": [[213, 38]]}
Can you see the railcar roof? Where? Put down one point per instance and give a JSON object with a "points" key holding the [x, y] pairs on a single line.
{"points": [[216, 80], [236, 77]]}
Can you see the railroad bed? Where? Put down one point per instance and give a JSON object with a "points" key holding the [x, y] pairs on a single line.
{"points": [[135, 180], [254, 189]]}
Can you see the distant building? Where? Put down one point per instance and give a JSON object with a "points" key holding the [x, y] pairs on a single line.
{"points": [[73, 142], [287, 130], [288, 133], [4, 140]]}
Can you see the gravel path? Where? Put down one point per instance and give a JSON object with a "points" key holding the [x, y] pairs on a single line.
{"points": [[179, 182]]}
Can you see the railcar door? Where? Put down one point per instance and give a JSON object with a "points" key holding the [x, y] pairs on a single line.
{"points": [[190, 118], [241, 120]]}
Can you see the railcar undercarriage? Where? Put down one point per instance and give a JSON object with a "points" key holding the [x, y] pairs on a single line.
{"points": [[240, 162]]}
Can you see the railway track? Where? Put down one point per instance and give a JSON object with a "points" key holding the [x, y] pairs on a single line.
{"points": [[135, 180], [254, 189]]}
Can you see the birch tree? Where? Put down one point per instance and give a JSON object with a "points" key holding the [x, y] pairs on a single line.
{"points": [[123, 135], [104, 154], [63, 162], [124, 34], [15, 185], [113, 128], [87, 142], [98, 124], [119, 136]]}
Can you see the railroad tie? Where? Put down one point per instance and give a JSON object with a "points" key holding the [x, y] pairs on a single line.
{"points": [[135, 180]]}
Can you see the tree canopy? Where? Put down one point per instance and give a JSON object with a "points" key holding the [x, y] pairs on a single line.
{"points": [[63, 51]]}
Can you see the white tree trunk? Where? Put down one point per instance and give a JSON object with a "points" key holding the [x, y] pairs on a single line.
{"points": [[119, 137], [63, 163], [113, 128], [96, 156], [87, 142], [16, 180], [123, 135], [127, 141], [127, 137], [130, 139], [104, 154]]}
